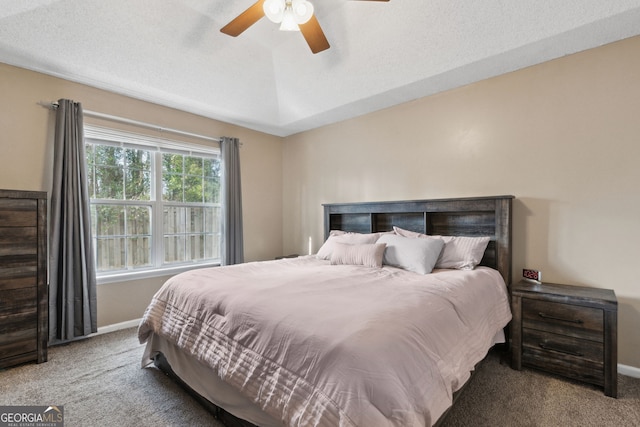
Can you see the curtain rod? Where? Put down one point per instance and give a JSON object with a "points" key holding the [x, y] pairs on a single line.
{"points": [[94, 114]]}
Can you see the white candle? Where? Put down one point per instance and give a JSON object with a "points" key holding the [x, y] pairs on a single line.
{"points": [[310, 245]]}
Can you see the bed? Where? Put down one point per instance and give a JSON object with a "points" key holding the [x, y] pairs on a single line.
{"points": [[346, 337]]}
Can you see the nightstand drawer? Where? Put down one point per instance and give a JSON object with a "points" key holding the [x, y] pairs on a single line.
{"points": [[563, 319], [576, 368], [559, 345]]}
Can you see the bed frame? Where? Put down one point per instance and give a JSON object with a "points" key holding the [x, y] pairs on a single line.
{"points": [[472, 216]]}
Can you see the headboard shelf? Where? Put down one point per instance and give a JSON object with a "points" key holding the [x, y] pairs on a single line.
{"points": [[470, 216]]}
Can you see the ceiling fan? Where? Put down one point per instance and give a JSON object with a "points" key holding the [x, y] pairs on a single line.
{"points": [[292, 15]]}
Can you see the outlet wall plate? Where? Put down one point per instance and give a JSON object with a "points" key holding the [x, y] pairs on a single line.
{"points": [[534, 275]]}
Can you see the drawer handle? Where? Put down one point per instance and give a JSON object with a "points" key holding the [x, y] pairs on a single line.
{"points": [[546, 316], [544, 346]]}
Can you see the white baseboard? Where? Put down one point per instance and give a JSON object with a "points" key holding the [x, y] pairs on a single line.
{"points": [[118, 326], [630, 371]]}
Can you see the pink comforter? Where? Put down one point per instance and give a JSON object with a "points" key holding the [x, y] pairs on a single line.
{"points": [[316, 344]]}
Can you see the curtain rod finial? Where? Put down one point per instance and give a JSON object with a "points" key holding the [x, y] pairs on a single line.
{"points": [[47, 104]]}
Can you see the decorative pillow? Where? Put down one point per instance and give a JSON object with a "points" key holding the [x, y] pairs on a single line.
{"points": [[459, 252], [417, 255], [369, 255], [341, 237]]}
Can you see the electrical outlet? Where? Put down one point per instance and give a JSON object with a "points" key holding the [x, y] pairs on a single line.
{"points": [[534, 275]]}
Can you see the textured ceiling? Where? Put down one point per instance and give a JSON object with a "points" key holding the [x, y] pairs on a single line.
{"points": [[171, 52]]}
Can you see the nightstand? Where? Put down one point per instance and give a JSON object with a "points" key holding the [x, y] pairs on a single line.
{"points": [[566, 330]]}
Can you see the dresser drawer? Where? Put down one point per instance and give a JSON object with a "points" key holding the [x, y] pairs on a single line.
{"points": [[19, 332], [563, 319], [18, 271], [18, 241], [16, 327], [18, 212], [18, 344], [16, 301]]}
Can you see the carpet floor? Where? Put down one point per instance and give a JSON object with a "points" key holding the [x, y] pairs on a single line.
{"points": [[100, 383]]}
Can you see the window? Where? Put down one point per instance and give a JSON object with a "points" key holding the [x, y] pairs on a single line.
{"points": [[154, 203]]}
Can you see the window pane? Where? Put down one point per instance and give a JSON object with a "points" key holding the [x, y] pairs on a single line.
{"points": [[138, 252], [196, 220], [89, 153], [208, 246], [193, 165], [137, 175], [91, 182], [172, 188], [193, 188], [212, 242], [138, 159], [110, 254], [172, 177], [139, 220], [109, 156], [174, 220], [211, 168], [122, 235], [110, 220], [139, 242], [137, 184], [193, 179], [109, 182], [212, 190], [174, 249], [172, 163], [109, 177], [212, 223], [197, 247]]}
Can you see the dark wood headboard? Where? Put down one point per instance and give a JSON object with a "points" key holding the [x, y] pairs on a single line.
{"points": [[471, 216]]}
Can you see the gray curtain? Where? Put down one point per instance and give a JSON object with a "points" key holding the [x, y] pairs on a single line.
{"points": [[72, 279], [233, 247]]}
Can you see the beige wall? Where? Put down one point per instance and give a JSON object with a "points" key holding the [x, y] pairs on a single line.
{"points": [[26, 131], [563, 137]]}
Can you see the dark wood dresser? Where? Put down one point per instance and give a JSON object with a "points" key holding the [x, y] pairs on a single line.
{"points": [[23, 277], [566, 330]]}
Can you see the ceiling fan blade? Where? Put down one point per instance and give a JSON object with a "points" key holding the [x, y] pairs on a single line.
{"points": [[244, 20], [314, 35]]}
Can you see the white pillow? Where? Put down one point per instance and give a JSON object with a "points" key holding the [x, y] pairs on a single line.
{"points": [[462, 253], [369, 255], [417, 255], [349, 238], [406, 233], [459, 252]]}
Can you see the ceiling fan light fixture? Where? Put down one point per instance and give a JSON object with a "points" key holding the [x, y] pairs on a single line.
{"points": [[303, 10], [289, 20], [274, 10], [288, 13]]}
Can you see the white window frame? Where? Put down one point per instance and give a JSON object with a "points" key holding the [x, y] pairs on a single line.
{"points": [[157, 146]]}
